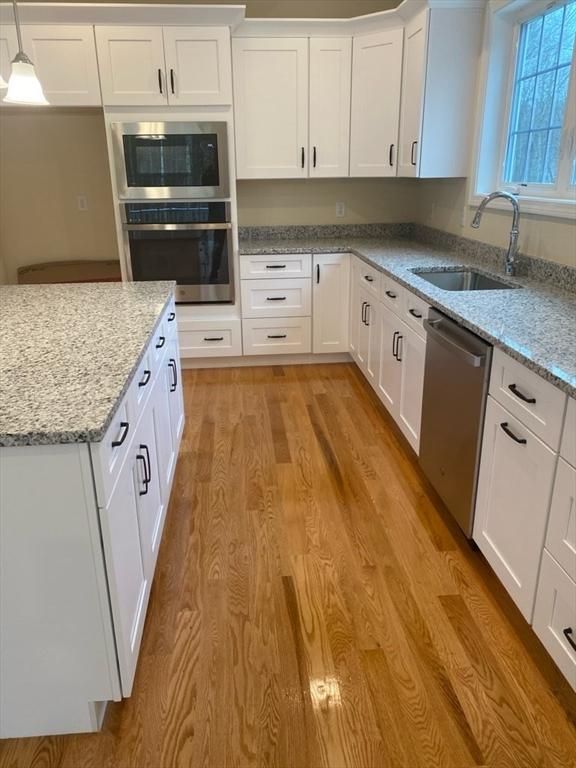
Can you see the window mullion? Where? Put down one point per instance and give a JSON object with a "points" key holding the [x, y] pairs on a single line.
{"points": [[568, 139]]}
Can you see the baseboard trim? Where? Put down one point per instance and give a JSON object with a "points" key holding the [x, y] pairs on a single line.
{"points": [[190, 363]]}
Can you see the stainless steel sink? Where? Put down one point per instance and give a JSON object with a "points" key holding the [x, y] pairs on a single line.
{"points": [[463, 280]]}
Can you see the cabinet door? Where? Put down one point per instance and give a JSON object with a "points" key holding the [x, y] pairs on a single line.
{"points": [[165, 443], [198, 65], [271, 107], [561, 533], [413, 85], [128, 583], [376, 77], [131, 61], [514, 487], [389, 367], [355, 319], [330, 309], [65, 61], [175, 396], [363, 339], [330, 72], [8, 49], [372, 321], [412, 353], [148, 491]]}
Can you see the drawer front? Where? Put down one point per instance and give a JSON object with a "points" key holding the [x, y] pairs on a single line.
{"points": [[392, 295], [279, 336], [141, 386], [159, 341], [108, 455], [538, 404], [555, 616], [568, 445], [275, 266], [414, 311], [210, 338], [170, 321], [369, 277], [276, 298], [561, 535]]}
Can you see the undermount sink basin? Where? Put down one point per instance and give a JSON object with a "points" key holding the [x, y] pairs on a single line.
{"points": [[463, 280]]}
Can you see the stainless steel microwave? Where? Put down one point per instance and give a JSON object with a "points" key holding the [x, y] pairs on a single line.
{"points": [[159, 160]]}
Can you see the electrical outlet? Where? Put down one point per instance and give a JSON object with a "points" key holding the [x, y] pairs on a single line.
{"points": [[82, 202], [340, 210]]}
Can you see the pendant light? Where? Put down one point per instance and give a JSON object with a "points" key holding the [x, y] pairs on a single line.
{"points": [[3, 83], [23, 85]]}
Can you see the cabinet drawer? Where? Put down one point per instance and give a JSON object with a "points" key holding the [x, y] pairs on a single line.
{"points": [[392, 294], [276, 298], [555, 616], [369, 277], [414, 311], [537, 403], [561, 535], [141, 386], [277, 336], [170, 321], [265, 266], [568, 445], [210, 338], [159, 341], [108, 455]]}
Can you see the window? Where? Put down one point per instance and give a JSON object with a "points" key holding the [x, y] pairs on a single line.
{"points": [[538, 157]]}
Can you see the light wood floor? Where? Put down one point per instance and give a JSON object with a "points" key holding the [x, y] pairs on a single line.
{"points": [[314, 607]]}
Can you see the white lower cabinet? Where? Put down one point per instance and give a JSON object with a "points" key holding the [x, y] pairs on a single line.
{"points": [[367, 349], [277, 336], [555, 616], [330, 302], [412, 355], [175, 395], [514, 489], [389, 368], [561, 533]]}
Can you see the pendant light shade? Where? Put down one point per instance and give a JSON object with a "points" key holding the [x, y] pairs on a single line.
{"points": [[23, 85], [3, 83]]}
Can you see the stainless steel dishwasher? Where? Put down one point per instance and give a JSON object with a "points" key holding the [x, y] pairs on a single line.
{"points": [[453, 406]]}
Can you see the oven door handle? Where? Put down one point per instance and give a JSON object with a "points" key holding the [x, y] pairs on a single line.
{"points": [[173, 227]]}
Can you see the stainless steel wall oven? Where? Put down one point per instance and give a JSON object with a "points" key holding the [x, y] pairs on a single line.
{"points": [[190, 242]]}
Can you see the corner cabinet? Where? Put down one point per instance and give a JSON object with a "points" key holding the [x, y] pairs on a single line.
{"points": [[330, 302], [72, 621], [155, 66], [292, 107], [440, 64], [376, 83]]}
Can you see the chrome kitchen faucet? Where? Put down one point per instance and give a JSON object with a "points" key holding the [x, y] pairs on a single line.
{"points": [[513, 246]]}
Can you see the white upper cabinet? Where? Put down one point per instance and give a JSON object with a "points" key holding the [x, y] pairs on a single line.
{"points": [[440, 64], [8, 49], [150, 66], [271, 107], [376, 79], [198, 65], [330, 73], [132, 70], [65, 61]]}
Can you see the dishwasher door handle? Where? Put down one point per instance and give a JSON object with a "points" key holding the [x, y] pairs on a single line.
{"points": [[467, 356]]}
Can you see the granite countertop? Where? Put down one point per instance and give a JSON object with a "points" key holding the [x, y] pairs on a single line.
{"points": [[535, 324], [67, 355]]}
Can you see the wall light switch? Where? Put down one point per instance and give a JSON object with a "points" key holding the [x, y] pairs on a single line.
{"points": [[82, 202], [340, 210]]}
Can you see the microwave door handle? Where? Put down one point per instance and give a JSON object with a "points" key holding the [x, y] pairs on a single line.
{"points": [[174, 227]]}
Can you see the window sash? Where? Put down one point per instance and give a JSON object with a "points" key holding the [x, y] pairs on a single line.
{"points": [[562, 189]]}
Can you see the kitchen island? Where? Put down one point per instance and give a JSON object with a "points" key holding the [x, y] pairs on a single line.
{"points": [[91, 418]]}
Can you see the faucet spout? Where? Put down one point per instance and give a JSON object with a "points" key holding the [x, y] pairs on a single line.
{"points": [[514, 231]]}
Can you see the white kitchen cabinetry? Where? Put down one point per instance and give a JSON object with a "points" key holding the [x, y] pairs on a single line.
{"points": [[155, 66], [389, 378], [96, 511], [514, 489], [271, 107], [330, 71], [282, 297], [65, 61], [376, 79], [440, 61], [292, 107], [198, 65], [354, 314], [277, 336], [368, 338], [555, 616], [263, 266], [561, 533], [330, 302]]}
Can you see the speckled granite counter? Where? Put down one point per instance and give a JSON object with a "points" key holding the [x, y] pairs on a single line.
{"points": [[67, 355], [535, 324]]}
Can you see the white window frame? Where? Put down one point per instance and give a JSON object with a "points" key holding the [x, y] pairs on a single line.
{"points": [[498, 66]]}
